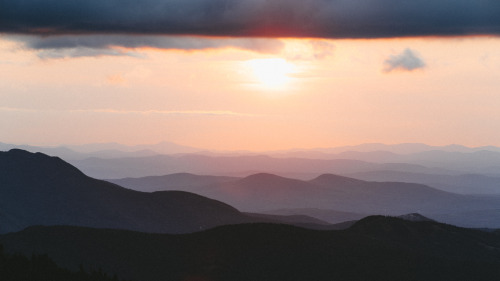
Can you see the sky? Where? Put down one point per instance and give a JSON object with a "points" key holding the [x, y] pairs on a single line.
{"points": [[250, 74]]}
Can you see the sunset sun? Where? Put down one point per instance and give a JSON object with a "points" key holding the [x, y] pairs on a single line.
{"points": [[272, 73]]}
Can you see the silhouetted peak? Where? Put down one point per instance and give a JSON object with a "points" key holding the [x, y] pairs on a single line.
{"points": [[21, 163], [264, 177], [188, 200], [16, 152], [387, 225], [331, 179], [414, 217], [181, 176]]}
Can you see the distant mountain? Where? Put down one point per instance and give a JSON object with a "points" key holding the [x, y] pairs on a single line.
{"points": [[180, 181], [406, 148], [442, 160], [263, 192], [36, 189], [298, 220], [414, 217], [331, 198], [463, 184], [164, 147], [374, 248], [70, 154], [331, 216], [239, 166], [484, 162], [59, 151], [104, 150]]}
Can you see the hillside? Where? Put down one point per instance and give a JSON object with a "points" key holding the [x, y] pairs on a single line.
{"points": [[333, 196], [179, 181], [375, 248], [40, 190]]}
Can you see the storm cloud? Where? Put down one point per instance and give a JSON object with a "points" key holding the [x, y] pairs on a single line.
{"points": [[253, 18]]}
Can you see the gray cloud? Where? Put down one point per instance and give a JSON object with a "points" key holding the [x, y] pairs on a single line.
{"points": [[253, 18], [83, 52], [163, 42], [407, 60], [60, 46]]}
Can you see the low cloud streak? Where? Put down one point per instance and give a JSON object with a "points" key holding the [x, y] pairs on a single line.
{"points": [[62, 46], [140, 112]]}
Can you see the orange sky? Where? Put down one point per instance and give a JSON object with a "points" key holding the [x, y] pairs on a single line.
{"points": [[329, 93]]}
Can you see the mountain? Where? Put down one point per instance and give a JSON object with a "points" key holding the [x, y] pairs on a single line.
{"points": [[414, 217], [405, 148], [395, 198], [232, 166], [70, 154], [298, 220], [463, 184], [374, 248], [447, 160], [483, 162], [164, 147], [41, 267], [330, 194], [266, 192], [36, 189], [331, 216], [180, 181], [104, 150]]}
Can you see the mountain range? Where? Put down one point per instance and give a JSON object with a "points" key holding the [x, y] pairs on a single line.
{"points": [[329, 197], [36, 189], [40, 190], [452, 168], [52, 211]]}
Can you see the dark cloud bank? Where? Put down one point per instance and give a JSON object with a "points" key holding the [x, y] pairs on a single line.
{"points": [[253, 18]]}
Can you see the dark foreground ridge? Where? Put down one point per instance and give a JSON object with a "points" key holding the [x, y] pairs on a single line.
{"points": [[36, 189], [40, 267], [374, 248]]}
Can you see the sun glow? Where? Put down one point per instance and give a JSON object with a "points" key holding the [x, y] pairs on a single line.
{"points": [[272, 73]]}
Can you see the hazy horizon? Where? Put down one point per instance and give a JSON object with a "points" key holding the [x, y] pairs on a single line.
{"points": [[250, 75], [361, 147]]}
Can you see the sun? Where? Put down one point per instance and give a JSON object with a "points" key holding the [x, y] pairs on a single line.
{"points": [[271, 73]]}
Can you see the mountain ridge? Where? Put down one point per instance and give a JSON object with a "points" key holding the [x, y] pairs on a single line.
{"points": [[39, 189], [375, 248]]}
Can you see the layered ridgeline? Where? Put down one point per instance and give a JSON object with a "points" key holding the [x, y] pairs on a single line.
{"points": [[36, 189], [374, 248], [453, 168], [331, 197]]}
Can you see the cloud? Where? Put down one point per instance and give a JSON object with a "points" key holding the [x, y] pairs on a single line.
{"points": [[168, 112], [135, 112], [253, 18], [83, 52], [407, 60], [322, 49], [61, 46], [308, 50]]}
